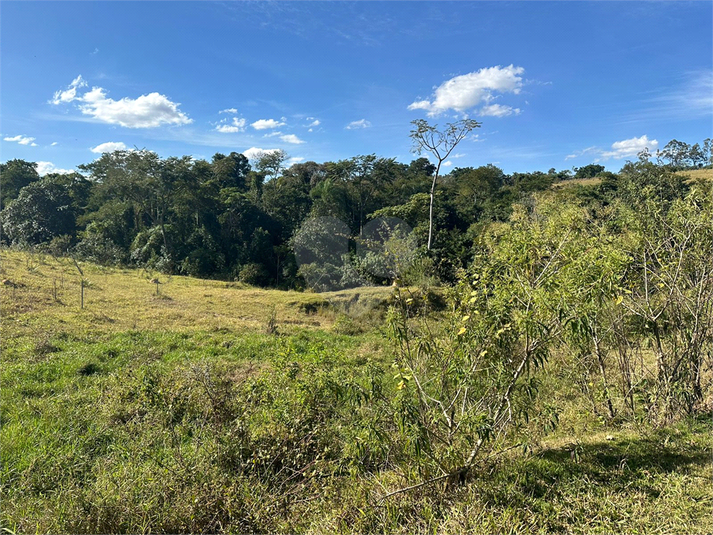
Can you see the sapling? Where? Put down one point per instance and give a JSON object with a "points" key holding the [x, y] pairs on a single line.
{"points": [[81, 283]]}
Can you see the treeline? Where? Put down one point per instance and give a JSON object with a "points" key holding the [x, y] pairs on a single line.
{"points": [[229, 219]]}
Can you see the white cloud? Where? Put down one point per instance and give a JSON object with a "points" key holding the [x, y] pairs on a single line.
{"points": [[254, 153], [109, 146], [447, 164], [627, 148], [466, 91], [238, 125], [229, 110], [273, 134], [264, 124], [22, 140], [314, 123], [498, 110], [420, 105], [583, 152], [69, 94], [146, 111], [630, 147], [361, 123], [458, 155], [296, 159], [44, 168], [53, 144], [291, 138]]}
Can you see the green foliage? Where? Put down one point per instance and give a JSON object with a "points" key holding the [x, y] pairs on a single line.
{"points": [[15, 175], [210, 218], [195, 427], [42, 211], [253, 274], [588, 171]]}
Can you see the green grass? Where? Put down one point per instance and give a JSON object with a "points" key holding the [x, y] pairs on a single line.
{"points": [[181, 413]]}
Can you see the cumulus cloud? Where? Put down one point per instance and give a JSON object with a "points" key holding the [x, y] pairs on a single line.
{"points": [[361, 123], [22, 140], [265, 124], [45, 168], [447, 164], [109, 146], [498, 110], [627, 148], [237, 125], [291, 138], [232, 111], [466, 91], [253, 153], [296, 159], [69, 94], [145, 111], [53, 144]]}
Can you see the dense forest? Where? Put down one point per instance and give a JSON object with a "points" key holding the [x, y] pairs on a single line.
{"points": [[233, 220]]}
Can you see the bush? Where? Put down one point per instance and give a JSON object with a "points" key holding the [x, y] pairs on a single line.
{"points": [[254, 274]]}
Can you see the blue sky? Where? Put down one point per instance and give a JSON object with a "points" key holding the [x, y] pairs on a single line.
{"points": [[556, 84]]}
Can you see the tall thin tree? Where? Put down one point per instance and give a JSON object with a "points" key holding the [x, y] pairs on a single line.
{"points": [[439, 143]]}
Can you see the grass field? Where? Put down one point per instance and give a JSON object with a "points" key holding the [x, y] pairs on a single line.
{"points": [[695, 174], [578, 182], [215, 407]]}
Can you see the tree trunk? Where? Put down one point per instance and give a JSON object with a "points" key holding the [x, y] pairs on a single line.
{"points": [[600, 361], [430, 208]]}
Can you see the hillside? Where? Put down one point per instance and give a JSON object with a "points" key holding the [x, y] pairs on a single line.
{"points": [[118, 299], [695, 174], [191, 410]]}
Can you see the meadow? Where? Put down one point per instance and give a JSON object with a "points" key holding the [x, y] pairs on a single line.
{"points": [[206, 406]]}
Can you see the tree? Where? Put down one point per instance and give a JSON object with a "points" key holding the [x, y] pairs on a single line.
{"points": [[676, 152], [42, 211], [439, 143], [588, 171], [671, 295], [15, 175], [230, 171], [271, 162]]}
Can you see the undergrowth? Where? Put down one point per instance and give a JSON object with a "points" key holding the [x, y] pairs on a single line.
{"points": [[219, 429]]}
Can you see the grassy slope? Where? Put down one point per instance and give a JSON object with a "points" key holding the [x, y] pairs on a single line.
{"points": [[86, 447], [695, 174]]}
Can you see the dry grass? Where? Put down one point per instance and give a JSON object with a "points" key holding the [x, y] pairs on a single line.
{"points": [[696, 174], [578, 182], [118, 299]]}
